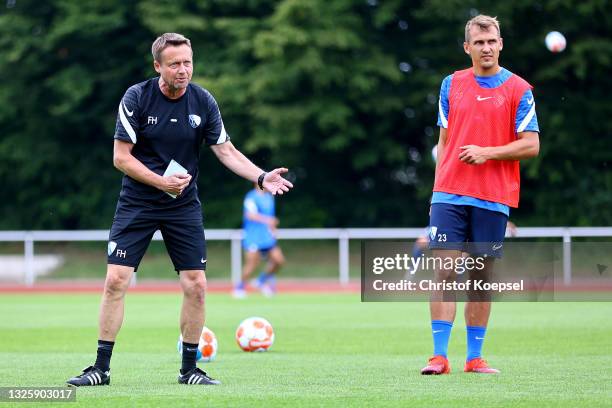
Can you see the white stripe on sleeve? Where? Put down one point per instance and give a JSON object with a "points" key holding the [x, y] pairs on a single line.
{"points": [[126, 125], [250, 206], [223, 136], [527, 119], [441, 112]]}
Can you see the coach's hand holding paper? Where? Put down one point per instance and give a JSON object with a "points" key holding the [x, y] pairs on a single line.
{"points": [[176, 179]]}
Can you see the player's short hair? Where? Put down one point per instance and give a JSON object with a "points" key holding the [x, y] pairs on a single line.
{"points": [[164, 41], [483, 22]]}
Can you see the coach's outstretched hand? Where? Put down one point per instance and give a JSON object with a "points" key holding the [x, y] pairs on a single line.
{"points": [[275, 183]]}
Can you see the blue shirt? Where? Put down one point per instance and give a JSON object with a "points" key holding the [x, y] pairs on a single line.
{"points": [[257, 235], [526, 121]]}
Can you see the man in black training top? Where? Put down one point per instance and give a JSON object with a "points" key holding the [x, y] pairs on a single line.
{"points": [[161, 125]]}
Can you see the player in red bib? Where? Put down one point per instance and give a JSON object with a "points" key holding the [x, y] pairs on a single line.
{"points": [[487, 124]]}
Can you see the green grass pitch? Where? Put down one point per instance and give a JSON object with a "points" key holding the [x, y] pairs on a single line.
{"points": [[330, 350]]}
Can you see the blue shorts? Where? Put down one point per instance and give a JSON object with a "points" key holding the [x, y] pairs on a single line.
{"points": [[262, 249], [182, 231], [467, 228]]}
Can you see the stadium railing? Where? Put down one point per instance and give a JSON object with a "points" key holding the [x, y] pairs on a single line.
{"points": [[343, 235]]}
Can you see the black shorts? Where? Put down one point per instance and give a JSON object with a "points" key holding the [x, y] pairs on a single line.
{"points": [[181, 229]]}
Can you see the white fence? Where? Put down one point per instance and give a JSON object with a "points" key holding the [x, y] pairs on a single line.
{"points": [[341, 235]]}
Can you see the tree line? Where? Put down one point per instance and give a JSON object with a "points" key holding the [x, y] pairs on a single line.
{"points": [[342, 92]]}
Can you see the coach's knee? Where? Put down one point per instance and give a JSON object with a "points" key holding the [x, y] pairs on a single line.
{"points": [[194, 286], [117, 282]]}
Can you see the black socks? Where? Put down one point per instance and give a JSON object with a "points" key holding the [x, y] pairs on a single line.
{"points": [[190, 352], [105, 351]]}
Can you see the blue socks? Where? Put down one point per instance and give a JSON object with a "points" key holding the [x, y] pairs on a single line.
{"points": [[475, 338], [441, 330], [261, 280], [263, 277]]}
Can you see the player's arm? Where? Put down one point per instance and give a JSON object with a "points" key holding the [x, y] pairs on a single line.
{"points": [[441, 149], [252, 213], [271, 222], [264, 219], [443, 112], [526, 146], [124, 161], [237, 162], [217, 138]]}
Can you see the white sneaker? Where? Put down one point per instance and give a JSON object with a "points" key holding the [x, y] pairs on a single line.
{"points": [[239, 293], [267, 290]]}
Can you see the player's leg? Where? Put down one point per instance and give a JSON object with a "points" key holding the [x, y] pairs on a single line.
{"points": [[110, 319], [184, 239], [477, 313], [128, 241], [448, 231], [276, 260], [442, 308], [267, 279], [418, 250], [487, 232], [251, 260], [117, 281], [193, 283]]}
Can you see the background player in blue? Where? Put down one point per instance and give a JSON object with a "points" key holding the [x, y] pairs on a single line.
{"points": [[259, 224], [163, 119]]}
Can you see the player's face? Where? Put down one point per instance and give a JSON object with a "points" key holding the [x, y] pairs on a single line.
{"points": [[484, 47], [176, 66]]}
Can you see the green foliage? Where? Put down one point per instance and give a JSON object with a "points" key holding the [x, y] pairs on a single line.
{"points": [[315, 86]]}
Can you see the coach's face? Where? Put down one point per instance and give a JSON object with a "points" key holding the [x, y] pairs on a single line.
{"points": [[484, 47], [176, 66]]}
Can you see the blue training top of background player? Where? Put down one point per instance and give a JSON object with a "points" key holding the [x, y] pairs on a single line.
{"points": [[526, 121], [257, 235]]}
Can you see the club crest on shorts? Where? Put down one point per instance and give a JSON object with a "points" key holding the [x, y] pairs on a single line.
{"points": [[194, 121], [111, 247], [432, 232]]}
